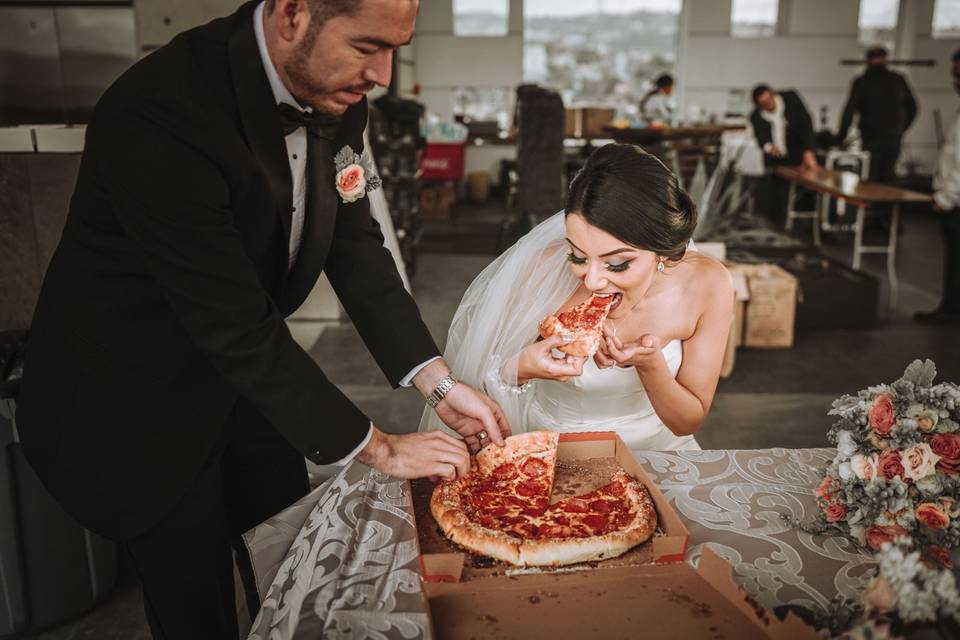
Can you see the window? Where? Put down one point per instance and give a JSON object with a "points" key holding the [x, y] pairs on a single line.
{"points": [[754, 18], [946, 19], [878, 23], [481, 17], [599, 51]]}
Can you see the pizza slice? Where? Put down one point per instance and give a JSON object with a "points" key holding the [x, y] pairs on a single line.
{"points": [[584, 323]]}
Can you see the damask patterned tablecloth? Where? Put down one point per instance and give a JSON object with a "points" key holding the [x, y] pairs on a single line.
{"points": [[343, 562]]}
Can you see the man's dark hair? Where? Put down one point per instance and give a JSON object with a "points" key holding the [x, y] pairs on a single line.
{"points": [[663, 81], [955, 58], [323, 10], [877, 53], [759, 90]]}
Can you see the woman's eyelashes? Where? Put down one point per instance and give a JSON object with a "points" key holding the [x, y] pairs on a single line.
{"points": [[615, 268], [619, 268]]}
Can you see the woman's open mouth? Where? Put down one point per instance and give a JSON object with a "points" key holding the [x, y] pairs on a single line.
{"points": [[617, 298]]}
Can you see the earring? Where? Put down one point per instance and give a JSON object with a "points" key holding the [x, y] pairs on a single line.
{"points": [[660, 265]]}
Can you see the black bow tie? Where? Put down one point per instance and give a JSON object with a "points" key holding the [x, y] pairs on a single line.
{"points": [[319, 124]]}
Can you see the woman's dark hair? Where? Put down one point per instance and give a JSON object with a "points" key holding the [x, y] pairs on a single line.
{"points": [[631, 195]]}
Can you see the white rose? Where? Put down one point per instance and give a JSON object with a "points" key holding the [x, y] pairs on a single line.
{"points": [[844, 471], [919, 461], [846, 447], [931, 485], [864, 467]]}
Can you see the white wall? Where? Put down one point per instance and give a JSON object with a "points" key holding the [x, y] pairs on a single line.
{"points": [[806, 56]]}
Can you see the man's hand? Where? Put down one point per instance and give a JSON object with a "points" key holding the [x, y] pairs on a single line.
{"points": [[463, 409], [416, 455], [810, 160]]}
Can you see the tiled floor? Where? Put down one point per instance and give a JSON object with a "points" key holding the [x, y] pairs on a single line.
{"points": [[776, 397]]}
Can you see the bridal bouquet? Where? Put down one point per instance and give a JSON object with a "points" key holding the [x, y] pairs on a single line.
{"points": [[897, 469], [894, 486]]}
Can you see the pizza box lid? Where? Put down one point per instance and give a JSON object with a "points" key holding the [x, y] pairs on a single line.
{"points": [[619, 597]]}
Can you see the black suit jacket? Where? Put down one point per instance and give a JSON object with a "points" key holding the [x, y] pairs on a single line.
{"points": [[885, 103], [165, 301], [799, 130]]}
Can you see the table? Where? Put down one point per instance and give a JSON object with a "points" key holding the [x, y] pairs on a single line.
{"points": [[343, 561], [828, 183]]}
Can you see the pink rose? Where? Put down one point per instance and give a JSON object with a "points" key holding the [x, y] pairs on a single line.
{"points": [[835, 511], [919, 461], [876, 535], [880, 596], [351, 183], [827, 488], [938, 554], [947, 446], [864, 467], [881, 414], [889, 465], [930, 514]]}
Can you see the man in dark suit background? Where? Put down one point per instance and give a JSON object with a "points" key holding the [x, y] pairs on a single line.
{"points": [[784, 131], [164, 402], [886, 108]]}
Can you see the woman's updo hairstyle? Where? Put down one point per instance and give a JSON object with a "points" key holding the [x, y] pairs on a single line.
{"points": [[631, 195]]}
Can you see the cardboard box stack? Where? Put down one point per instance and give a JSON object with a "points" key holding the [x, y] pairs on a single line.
{"points": [[770, 307], [436, 199]]}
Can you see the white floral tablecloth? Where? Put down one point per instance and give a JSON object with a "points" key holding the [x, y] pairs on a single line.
{"points": [[342, 562]]}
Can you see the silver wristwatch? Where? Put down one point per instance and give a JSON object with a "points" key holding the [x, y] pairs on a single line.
{"points": [[441, 391]]}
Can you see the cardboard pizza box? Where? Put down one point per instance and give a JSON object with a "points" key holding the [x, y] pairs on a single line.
{"points": [[649, 591]]}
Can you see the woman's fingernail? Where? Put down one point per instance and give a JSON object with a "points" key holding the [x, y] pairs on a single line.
{"points": [[566, 339]]}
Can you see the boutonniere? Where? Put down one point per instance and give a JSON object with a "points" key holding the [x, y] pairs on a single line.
{"points": [[355, 174]]}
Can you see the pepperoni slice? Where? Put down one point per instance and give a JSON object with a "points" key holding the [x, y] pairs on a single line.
{"points": [[596, 522], [534, 467], [615, 489], [506, 471], [529, 488], [575, 505], [561, 519], [601, 506]]}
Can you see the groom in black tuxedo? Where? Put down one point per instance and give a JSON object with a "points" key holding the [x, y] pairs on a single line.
{"points": [[164, 402]]}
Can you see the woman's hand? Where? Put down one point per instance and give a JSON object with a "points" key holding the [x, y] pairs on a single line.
{"points": [[642, 354], [537, 361]]}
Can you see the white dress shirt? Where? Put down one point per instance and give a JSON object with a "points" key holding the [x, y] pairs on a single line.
{"points": [[778, 126], [297, 157], [946, 181]]}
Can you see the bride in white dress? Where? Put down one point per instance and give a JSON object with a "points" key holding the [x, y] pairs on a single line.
{"points": [[624, 231]]}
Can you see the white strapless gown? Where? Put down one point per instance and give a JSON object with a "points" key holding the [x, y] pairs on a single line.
{"points": [[608, 400]]}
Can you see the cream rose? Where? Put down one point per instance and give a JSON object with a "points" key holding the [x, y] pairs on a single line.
{"points": [[864, 467], [927, 420], [919, 461], [351, 183], [880, 596]]}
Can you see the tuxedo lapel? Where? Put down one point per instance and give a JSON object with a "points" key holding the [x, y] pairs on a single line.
{"points": [[319, 221], [258, 113]]}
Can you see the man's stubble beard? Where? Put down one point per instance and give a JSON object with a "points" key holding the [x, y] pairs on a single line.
{"points": [[304, 88]]}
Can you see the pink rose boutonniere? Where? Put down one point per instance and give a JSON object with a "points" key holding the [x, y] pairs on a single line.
{"points": [[355, 175]]}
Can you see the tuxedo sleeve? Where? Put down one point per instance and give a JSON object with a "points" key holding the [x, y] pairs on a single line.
{"points": [[364, 276], [175, 205], [805, 122]]}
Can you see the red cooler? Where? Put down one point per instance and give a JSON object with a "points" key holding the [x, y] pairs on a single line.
{"points": [[443, 161]]}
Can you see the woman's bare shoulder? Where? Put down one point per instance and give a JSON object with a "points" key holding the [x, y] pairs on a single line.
{"points": [[708, 276]]}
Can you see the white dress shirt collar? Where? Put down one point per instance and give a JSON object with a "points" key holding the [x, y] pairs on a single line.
{"points": [[280, 91]]}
